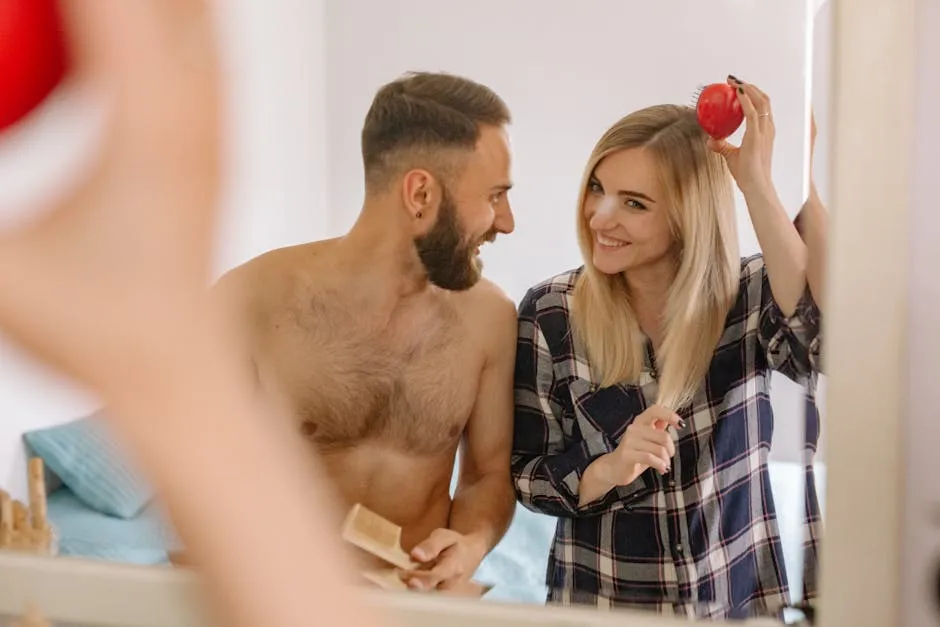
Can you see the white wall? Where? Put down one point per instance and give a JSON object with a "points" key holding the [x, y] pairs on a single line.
{"points": [[568, 71], [277, 194]]}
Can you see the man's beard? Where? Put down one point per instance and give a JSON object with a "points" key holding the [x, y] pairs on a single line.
{"points": [[448, 258]]}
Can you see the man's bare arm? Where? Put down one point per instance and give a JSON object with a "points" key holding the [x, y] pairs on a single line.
{"points": [[484, 500]]}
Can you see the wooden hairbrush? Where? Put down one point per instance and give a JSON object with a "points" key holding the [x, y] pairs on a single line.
{"points": [[374, 534]]}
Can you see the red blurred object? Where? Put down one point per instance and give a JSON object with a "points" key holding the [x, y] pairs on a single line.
{"points": [[719, 111], [33, 56]]}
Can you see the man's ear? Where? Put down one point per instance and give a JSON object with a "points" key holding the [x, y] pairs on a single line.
{"points": [[421, 196]]}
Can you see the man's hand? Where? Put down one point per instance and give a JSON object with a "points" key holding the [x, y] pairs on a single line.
{"points": [[450, 559]]}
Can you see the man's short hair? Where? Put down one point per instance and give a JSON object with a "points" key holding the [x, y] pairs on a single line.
{"points": [[426, 120]]}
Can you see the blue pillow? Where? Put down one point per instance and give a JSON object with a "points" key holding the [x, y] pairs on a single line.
{"points": [[86, 457], [83, 532]]}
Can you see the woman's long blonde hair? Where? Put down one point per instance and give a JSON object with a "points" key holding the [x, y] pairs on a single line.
{"points": [[700, 201]]}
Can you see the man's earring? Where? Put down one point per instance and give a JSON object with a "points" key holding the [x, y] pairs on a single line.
{"points": [[418, 215]]}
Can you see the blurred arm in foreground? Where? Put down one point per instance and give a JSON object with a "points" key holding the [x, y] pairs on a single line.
{"points": [[110, 286]]}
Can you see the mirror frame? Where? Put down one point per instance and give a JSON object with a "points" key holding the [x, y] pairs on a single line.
{"points": [[874, 48]]}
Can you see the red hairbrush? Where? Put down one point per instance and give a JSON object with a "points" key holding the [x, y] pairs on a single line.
{"points": [[719, 110], [33, 59]]}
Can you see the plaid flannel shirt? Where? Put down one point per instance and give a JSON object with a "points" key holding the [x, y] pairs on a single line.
{"points": [[702, 540]]}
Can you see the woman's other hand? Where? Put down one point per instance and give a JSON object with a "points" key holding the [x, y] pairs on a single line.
{"points": [[750, 163]]}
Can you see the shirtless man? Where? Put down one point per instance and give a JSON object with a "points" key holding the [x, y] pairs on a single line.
{"points": [[386, 344]]}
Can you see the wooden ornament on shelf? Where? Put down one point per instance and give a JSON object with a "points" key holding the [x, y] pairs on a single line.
{"points": [[25, 528]]}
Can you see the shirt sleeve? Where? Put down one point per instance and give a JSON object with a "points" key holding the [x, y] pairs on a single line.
{"points": [[792, 344], [546, 465]]}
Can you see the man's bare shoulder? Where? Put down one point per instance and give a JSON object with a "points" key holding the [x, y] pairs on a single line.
{"points": [[261, 278], [492, 299], [490, 309]]}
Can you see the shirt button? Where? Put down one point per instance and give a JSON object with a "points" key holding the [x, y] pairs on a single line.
{"points": [[671, 483], [679, 549]]}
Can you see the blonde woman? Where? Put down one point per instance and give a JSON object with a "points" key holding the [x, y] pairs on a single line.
{"points": [[643, 420]]}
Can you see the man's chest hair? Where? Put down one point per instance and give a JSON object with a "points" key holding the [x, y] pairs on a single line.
{"points": [[410, 383]]}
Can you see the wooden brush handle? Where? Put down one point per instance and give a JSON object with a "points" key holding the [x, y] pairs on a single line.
{"points": [[386, 579]]}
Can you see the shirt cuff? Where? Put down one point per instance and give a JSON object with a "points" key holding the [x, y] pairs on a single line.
{"points": [[570, 468]]}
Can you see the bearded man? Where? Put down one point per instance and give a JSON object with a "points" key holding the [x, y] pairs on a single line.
{"points": [[387, 345]]}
